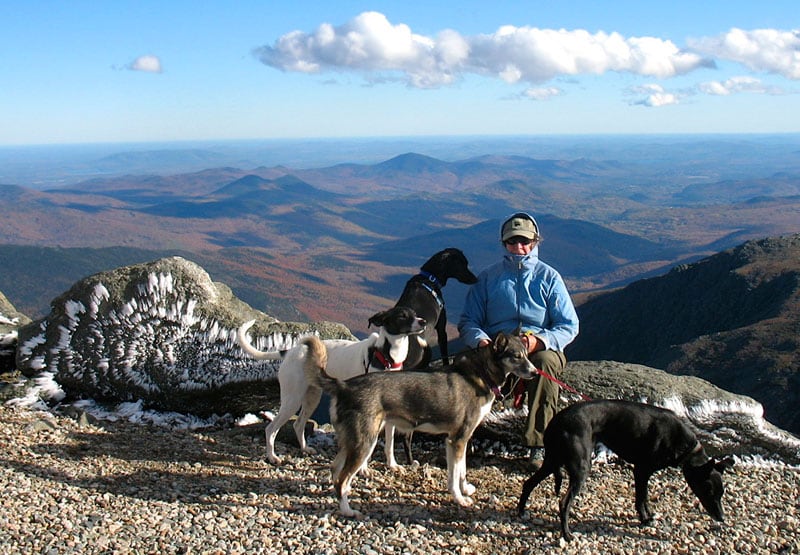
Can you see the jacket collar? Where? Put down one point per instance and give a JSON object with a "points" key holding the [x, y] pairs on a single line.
{"points": [[530, 258]]}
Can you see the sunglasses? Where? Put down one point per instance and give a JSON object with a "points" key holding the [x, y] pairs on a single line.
{"points": [[518, 241]]}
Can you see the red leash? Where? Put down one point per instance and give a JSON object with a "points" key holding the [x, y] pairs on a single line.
{"points": [[564, 385], [519, 389]]}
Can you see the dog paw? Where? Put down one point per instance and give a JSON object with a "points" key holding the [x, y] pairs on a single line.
{"points": [[309, 451], [468, 489], [366, 472], [464, 501], [351, 513], [274, 459], [649, 520]]}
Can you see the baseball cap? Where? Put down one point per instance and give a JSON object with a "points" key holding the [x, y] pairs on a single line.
{"points": [[519, 225]]}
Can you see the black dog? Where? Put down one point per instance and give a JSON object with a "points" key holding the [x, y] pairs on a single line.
{"points": [[423, 293], [649, 437]]}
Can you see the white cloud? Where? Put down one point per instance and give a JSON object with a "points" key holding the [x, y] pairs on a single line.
{"points": [[371, 44], [735, 85], [655, 96], [538, 55], [542, 93], [148, 63], [765, 50]]}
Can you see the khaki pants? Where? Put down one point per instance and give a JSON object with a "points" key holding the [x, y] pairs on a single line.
{"points": [[543, 395]]}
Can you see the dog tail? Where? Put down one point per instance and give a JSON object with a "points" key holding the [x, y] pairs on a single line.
{"points": [[316, 357], [315, 364], [247, 347]]}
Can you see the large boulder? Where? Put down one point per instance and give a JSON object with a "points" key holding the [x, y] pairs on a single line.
{"points": [[161, 332]]}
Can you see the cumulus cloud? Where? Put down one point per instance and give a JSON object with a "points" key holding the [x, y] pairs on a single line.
{"points": [[542, 93], [538, 55], [148, 63], [371, 44], [736, 85], [654, 96], [764, 50]]}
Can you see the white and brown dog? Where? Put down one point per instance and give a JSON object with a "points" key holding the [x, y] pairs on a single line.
{"points": [[384, 350]]}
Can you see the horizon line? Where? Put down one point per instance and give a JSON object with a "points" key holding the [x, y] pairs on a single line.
{"points": [[472, 136]]}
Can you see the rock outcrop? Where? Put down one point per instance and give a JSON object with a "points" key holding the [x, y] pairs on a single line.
{"points": [[161, 332], [732, 318], [10, 322], [725, 422]]}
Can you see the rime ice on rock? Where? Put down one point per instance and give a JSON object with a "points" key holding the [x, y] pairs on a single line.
{"points": [[161, 332], [10, 321]]}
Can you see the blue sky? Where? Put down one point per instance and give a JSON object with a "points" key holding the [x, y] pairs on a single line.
{"points": [[130, 71]]}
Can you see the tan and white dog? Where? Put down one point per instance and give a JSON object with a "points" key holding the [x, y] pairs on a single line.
{"points": [[384, 350]]}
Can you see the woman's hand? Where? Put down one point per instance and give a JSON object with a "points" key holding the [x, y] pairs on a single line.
{"points": [[532, 343]]}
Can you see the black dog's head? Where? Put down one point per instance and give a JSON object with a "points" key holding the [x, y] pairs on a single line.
{"points": [[399, 320], [450, 263], [706, 483]]}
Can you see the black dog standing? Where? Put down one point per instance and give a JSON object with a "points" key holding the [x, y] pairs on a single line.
{"points": [[649, 437]]}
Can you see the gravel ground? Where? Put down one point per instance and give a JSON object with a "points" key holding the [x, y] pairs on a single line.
{"points": [[71, 486]]}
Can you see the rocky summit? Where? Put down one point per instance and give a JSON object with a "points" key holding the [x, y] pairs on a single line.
{"points": [[162, 334]]}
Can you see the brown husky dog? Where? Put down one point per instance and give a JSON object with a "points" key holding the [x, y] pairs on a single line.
{"points": [[453, 401]]}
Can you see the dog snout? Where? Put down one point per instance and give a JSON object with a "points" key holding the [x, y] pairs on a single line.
{"points": [[531, 370], [420, 324]]}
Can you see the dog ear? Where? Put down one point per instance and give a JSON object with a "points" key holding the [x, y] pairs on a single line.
{"points": [[377, 319], [500, 342], [722, 465]]}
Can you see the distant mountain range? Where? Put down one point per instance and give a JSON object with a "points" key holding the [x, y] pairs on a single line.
{"points": [[636, 238], [356, 232]]}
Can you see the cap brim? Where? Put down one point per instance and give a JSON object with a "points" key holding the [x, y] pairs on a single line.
{"points": [[519, 233]]}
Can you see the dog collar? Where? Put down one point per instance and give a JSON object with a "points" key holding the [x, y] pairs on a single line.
{"points": [[498, 395], [430, 277], [696, 448], [386, 362]]}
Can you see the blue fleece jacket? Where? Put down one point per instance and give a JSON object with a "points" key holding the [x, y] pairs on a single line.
{"points": [[519, 291]]}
